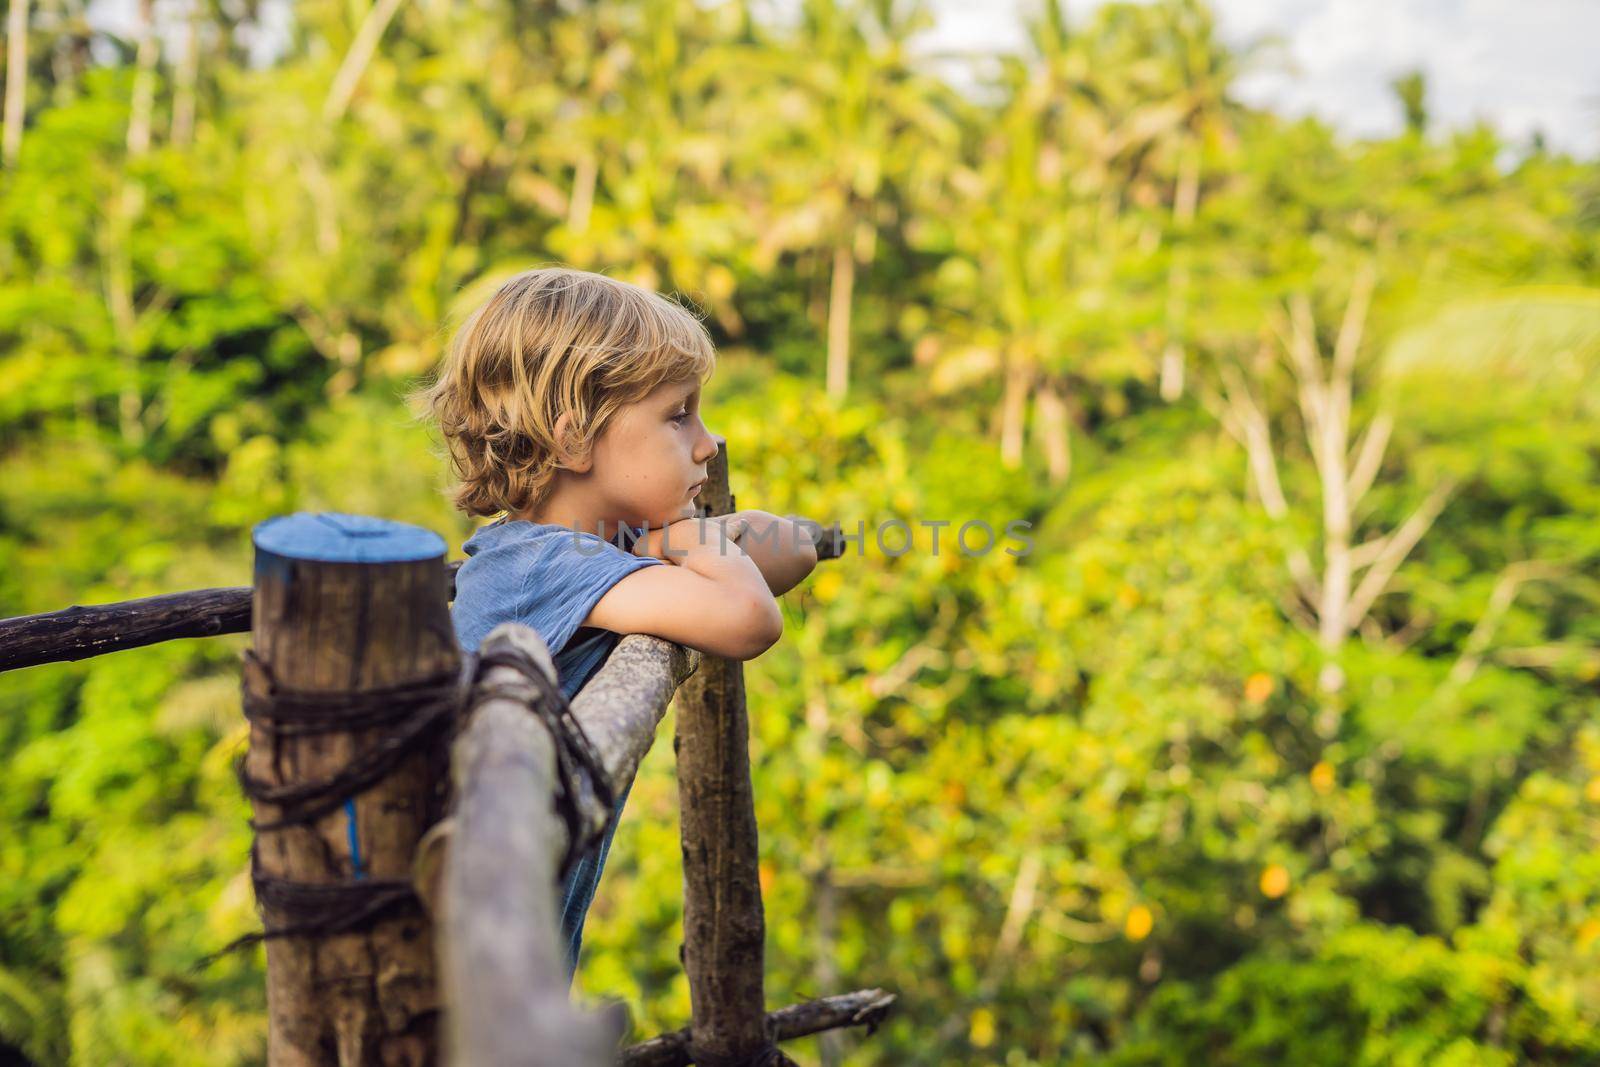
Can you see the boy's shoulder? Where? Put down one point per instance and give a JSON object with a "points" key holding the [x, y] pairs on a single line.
{"points": [[547, 576], [505, 532], [525, 549]]}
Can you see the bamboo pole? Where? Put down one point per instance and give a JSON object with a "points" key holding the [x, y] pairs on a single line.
{"points": [[345, 604], [723, 925]]}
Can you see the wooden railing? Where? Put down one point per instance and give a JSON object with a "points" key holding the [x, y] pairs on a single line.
{"points": [[401, 889]]}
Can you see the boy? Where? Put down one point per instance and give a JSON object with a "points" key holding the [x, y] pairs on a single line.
{"points": [[571, 403]]}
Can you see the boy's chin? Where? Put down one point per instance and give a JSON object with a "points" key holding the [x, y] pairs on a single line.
{"points": [[683, 511]]}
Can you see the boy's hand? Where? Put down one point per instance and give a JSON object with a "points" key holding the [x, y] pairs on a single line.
{"points": [[783, 549]]}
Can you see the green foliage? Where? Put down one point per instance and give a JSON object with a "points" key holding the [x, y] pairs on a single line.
{"points": [[1078, 802]]}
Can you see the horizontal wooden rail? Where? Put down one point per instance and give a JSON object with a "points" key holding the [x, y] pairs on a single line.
{"points": [[865, 1007], [82, 632]]}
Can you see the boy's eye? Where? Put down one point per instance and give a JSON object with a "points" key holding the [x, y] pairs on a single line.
{"points": [[680, 416]]}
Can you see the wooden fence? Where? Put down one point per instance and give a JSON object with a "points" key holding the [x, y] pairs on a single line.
{"points": [[414, 814]]}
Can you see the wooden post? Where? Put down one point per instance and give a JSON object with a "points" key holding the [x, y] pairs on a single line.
{"points": [[724, 930], [503, 964], [501, 955], [343, 605]]}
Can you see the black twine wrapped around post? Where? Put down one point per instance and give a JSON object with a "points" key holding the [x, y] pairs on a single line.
{"points": [[415, 712], [312, 910], [412, 712], [581, 781]]}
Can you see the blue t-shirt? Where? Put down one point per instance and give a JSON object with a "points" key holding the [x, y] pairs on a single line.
{"points": [[549, 577]]}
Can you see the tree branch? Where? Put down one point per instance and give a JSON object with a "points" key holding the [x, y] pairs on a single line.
{"points": [[865, 1007], [1504, 594], [1369, 456], [1394, 553]]}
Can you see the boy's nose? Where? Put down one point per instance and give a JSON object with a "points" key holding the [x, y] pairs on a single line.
{"points": [[707, 447]]}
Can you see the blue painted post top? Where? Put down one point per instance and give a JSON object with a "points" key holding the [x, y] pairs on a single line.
{"points": [[331, 537]]}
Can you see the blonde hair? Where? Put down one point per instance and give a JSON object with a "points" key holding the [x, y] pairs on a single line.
{"points": [[549, 342]]}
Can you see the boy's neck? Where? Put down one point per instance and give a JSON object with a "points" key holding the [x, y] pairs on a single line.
{"points": [[573, 516]]}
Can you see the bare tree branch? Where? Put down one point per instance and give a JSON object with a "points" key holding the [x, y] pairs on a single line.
{"points": [[865, 1007], [1355, 319], [1400, 544], [1255, 434], [1305, 579], [1504, 594], [1545, 657], [1368, 552], [1369, 456]]}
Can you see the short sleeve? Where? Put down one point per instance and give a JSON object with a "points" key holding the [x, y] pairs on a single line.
{"points": [[569, 575]]}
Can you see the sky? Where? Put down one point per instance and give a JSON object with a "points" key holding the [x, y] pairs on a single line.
{"points": [[1522, 65]]}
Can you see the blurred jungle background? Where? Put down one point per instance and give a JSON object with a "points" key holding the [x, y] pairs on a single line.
{"points": [[1282, 744]]}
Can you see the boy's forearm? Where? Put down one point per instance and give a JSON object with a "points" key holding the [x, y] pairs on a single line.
{"points": [[780, 549], [729, 566]]}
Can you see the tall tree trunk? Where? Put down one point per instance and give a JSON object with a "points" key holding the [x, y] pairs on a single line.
{"points": [[1172, 355], [581, 203], [144, 82], [119, 298], [1014, 407], [1052, 426], [126, 204], [16, 80], [840, 296], [830, 1050], [1186, 196], [183, 105], [1185, 202]]}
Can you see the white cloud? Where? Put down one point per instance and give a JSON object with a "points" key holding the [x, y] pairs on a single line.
{"points": [[1523, 66]]}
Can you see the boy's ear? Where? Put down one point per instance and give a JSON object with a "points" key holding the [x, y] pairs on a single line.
{"points": [[570, 460]]}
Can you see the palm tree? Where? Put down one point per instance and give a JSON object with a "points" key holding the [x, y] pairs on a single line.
{"points": [[1191, 72], [656, 103], [1411, 89], [1048, 223], [857, 113]]}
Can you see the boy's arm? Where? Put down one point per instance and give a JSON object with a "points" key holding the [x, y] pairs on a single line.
{"points": [[712, 598], [781, 548]]}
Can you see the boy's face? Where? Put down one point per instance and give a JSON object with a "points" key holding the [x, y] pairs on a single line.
{"points": [[648, 463]]}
